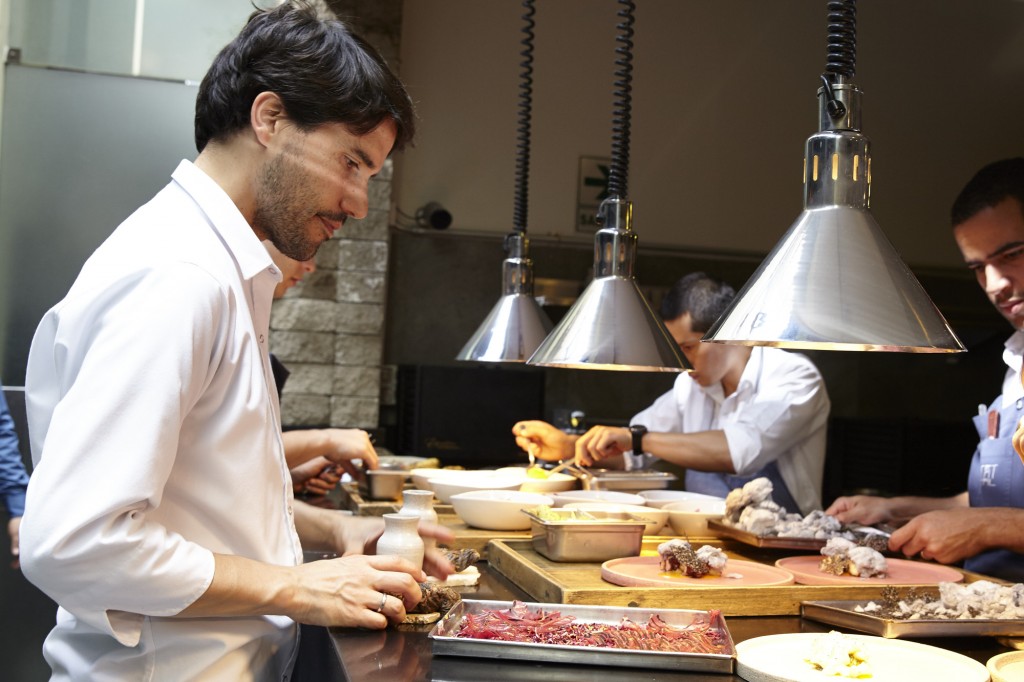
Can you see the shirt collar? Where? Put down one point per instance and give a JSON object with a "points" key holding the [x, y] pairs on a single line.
{"points": [[225, 218], [748, 379], [1014, 350]]}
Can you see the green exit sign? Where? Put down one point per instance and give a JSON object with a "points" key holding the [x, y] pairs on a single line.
{"points": [[591, 190]]}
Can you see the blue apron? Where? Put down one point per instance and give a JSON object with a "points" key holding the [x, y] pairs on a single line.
{"points": [[997, 480], [719, 484]]}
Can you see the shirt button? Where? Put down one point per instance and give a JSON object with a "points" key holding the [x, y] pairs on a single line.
{"points": [[291, 511]]}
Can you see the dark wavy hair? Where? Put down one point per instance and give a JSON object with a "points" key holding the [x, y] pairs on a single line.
{"points": [[322, 72], [701, 295], [995, 182]]}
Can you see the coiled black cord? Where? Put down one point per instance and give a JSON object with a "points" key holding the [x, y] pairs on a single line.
{"points": [[523, 125], [618, 175], [842, 38]]}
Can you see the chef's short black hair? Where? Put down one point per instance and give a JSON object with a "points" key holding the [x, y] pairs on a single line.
{"points": [[995, 182], [322, 72], [702, 296]]}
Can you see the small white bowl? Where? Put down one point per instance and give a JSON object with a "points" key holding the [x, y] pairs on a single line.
{"points": [[553, 483], [497, 509], [690, 517], [446, 486], [654, 518], [564, 498], [659, 498]]}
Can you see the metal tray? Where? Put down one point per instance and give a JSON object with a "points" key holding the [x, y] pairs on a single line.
{"points": [[444, 643], [842, 613], [722, 529], [612, 479], [586, 536]]}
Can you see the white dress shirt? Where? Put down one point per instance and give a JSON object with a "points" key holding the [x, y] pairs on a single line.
{"points": [[1013, 356], [779, 412], [154, 429]]}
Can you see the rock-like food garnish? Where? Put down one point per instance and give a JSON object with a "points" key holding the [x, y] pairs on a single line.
{"points": [[841, 556], [519, 624], [679, 555]]}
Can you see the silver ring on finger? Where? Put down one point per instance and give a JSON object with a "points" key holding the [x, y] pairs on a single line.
{"points": [[383, 601]]}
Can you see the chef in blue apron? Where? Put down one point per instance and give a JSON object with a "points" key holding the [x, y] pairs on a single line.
{"points": [[997, 480], [984, 526]]}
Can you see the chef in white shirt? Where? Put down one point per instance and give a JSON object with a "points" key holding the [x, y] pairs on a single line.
{"points": [[160, 515], [743, 412]]}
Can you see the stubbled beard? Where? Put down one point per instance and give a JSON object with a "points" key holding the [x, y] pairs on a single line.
{"points": [[284, 205]]}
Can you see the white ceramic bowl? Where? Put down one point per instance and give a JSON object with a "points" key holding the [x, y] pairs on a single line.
{"points": [[556, 482], [690, 517], [446, 486], [654, 518], [659, 498], [564, 498], [420, 476], [497, 509]]}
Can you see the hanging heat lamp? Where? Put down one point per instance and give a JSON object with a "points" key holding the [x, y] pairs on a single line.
{"points": [[516, 324], [835, 282], [612, 326]]}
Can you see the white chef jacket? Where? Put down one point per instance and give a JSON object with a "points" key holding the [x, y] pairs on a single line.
{"points": [[779, 412], [1013, 356], [153, 423]]}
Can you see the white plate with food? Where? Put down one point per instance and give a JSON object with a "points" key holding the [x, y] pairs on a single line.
{"points": [[820, 657]]}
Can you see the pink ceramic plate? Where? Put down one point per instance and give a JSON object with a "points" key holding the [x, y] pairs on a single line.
{"points": [[901, 572], [646, 571]]}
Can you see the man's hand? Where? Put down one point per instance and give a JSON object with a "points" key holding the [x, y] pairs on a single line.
{"points": [[949, 535], [13, 527], [543, 441], [865, 509], [602, 442]]}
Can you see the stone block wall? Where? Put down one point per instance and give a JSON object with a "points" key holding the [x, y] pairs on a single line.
{"points": [[329, 330]]}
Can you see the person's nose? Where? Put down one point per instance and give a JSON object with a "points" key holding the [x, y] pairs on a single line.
{"points": [[996, 280], [356, 203]]}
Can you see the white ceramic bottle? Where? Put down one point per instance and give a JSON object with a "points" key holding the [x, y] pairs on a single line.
{"points": [[420, 503], [402, 538]]}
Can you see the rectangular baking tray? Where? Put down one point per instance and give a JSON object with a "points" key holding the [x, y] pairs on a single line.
{"points": [[842, 613], [609, 479], [585, 536], [444, 643], [722, 529]]}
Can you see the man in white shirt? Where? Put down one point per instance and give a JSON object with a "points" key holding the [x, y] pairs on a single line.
{"points": [[160, 515], [741, 414], [984, 525]]}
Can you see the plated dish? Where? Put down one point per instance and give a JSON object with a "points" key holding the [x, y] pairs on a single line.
{"points": [[900, 572], [843, 613], [782, 658], [707, 626], [646, 571]]}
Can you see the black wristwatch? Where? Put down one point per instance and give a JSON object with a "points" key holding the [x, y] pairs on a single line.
{"points": [[638, 432]]}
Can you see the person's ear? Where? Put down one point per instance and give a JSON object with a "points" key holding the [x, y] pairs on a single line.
{"points": [[267, 116]]}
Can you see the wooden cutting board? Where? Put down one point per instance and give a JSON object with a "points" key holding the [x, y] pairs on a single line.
{"points": [[578, 583]]}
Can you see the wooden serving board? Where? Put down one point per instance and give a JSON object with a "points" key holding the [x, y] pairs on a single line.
{"points": [[353, 500], [578, 583]]}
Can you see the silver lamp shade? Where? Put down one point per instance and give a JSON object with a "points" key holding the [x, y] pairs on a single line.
{"points": [[835, 282], [611, 326], [516, 325]]}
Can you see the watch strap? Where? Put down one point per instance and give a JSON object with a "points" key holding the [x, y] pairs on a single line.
{"points": [[637, 431]]}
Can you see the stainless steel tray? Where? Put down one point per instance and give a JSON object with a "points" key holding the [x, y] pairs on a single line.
{"points": [[586, 536], [612, 479], [722, 529], [444, 643], [842, 613]]}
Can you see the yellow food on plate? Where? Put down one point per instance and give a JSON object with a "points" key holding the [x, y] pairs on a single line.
{"points": [[536, 472], [839, 655]]}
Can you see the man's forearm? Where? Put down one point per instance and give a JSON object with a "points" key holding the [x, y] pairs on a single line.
{"points": [[702, 451]]}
